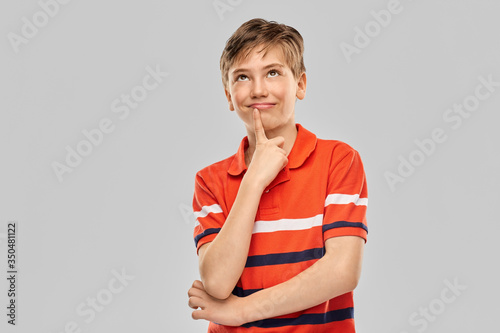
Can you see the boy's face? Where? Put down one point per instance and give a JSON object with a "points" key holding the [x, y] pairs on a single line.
{"points": [[265, 83]]}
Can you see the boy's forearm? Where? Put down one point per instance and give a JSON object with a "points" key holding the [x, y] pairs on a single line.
{"points": [[223, 261], [324, 280]]}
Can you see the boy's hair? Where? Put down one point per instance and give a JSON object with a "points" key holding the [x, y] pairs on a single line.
{"points": [[259, 32]]}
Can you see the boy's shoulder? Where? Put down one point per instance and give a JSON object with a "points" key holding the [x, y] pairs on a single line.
{"points": [[222, 165], [336, 147], [330, 152], [332, 148], [235, 161], [306, 137]]}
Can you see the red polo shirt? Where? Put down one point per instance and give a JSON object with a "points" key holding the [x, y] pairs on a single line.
{"points": [[321, 193]]}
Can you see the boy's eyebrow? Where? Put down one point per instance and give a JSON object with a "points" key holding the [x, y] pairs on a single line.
{"points": [[276, 64]]}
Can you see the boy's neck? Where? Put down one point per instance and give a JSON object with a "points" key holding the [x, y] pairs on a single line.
{"points": [[289, 133]]}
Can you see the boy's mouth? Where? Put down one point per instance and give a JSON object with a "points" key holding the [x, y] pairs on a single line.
{"points": [[262, 105]]}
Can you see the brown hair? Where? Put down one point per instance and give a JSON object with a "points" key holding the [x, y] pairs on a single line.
{"points": [[258, 32]]}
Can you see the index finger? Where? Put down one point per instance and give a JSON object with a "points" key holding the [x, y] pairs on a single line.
{"points": [[260, 134]]}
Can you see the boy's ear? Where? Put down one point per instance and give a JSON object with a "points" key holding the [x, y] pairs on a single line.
{"points": [[301, 86], [228, 96]]}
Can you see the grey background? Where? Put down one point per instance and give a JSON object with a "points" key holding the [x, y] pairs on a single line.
{"points": [[124, 207]]}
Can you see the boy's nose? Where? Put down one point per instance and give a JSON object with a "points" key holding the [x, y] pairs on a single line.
{"points": [[259, 89]]}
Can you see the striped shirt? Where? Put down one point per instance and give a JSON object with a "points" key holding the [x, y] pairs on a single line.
{"points": [[321, 193]]}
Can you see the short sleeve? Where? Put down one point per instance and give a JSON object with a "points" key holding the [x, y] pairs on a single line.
{"points": [[347, 196], [207, 212]]}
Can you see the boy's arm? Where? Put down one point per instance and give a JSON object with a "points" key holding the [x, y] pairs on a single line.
{"points": [[221, 262], [336, 273]]}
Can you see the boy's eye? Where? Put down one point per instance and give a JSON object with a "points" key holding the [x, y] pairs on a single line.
{"points": [[241, 78], [273, 73]]}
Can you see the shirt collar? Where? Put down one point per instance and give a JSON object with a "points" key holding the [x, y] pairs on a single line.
{"points": [[304, 145]]}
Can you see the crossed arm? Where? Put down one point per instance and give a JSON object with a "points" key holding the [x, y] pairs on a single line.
{"points": [[222, 261], [336, 273]]}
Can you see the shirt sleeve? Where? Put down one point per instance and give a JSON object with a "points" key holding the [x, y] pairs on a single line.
{"points": [[347, 196], [207, 212]]}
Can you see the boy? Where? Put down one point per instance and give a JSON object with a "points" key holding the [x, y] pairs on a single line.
{"points": [[281, 224]]}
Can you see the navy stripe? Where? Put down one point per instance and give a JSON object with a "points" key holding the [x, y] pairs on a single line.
{"points": [[240, 292], [341, 224], [284, 258], [205, 233], [305, 319]]}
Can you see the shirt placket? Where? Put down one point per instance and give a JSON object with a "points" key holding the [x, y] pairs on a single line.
{"points": [[269, 202]]}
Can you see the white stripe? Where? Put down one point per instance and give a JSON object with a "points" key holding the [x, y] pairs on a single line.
{"points": [[205, 210], [287, 224], [344, 199]]}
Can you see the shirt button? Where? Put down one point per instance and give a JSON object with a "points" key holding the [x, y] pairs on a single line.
{"points": [[267, 191]]}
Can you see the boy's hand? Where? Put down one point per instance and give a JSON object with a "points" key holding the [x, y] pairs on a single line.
{"points": [[269, 157], [227, 311]]}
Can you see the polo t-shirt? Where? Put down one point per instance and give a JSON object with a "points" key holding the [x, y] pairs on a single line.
{"points": [[321, 193]]}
